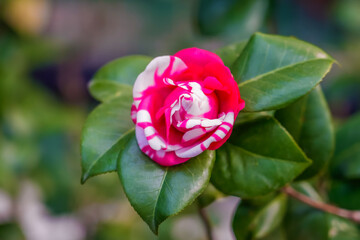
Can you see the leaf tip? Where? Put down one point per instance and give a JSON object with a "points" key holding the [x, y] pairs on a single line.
{"points": [[154, 228], [84, 178]]}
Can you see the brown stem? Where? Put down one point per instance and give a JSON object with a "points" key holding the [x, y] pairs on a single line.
{"points": [[352, 215], [206, 222]]}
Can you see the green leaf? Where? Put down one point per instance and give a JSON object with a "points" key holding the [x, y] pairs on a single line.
{"points": [[210, 195], [346, 161], [244, 117], [278, 234], [305, 222], [253, 222], [231, 52], [260, 157], [117, 77], [273, 71], [316, 225], [308, 120], [344, 194], [157, 192], [11, 231], [307, 189], [104, 134], [346, 15]]}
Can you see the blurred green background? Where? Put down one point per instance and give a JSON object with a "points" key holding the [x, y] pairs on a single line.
{"points": [[49, 50]]}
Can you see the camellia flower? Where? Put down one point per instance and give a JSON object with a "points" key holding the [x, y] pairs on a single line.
{"points": [[183, 105]]}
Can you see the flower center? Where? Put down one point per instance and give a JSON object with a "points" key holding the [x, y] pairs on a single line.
{"points": [[192, 103]]}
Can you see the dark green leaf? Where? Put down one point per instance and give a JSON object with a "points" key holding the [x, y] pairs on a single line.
{"points": [[117, 77], [308, 120], [156, 192], [104, 133], [346, 161], [11, 231], [257, 222], [277, 234], [270, 216], [244, 117], [345, 194], [273, 71], [231, 52], [260, 157], [343, 91], [305, 222], [317, 225]]}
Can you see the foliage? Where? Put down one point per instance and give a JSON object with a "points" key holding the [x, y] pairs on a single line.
{"points": [[40, 128], [266, 151]]}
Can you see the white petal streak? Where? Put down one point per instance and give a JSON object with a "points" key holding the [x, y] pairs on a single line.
{"points": [[149, 131], [210, 122], [158, 65], [143, 116], [157, 143], [196, 149], [193, 134], [140, 137], [178, 66], [229, 118], [192, 123]]}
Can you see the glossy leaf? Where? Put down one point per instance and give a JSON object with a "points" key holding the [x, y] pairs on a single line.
{"points": [[273, 71], [157, 192], [104, 134], [260, 157], [117, 77], [308, 120], [251, 222], [231, 52], [346, 161]]}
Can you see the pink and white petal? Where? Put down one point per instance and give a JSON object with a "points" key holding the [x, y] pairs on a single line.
{"points": [[143, 116], [133, 113], [167, 158], [193, 134], [221, 133], [145, 129], [141, 138], [162, 157], [156, 69], [197, 56], [226, 128], [188, 123], [208, 124]]}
